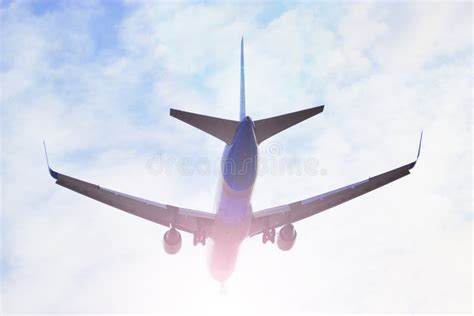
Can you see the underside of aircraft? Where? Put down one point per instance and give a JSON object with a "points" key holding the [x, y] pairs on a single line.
{"points": [[234, 219]]}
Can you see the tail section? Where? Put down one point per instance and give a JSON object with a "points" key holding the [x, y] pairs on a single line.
{"points": [[268, 127], [242, 81], [217, 127], [225, 129]]}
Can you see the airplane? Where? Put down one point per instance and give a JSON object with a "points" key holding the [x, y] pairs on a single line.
{"points": [[234, 219]]}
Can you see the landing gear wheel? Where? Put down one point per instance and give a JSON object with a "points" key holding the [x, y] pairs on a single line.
{"points": [[199, 238], [272, 235], [269, 235]]}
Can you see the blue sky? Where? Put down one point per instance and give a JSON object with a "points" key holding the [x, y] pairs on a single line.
{"points": [[96, 81]]}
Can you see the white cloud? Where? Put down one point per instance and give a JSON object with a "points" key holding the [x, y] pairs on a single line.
{"points": [[385, 71]]}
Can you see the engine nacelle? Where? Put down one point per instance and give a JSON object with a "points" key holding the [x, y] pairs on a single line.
{"points": [[286, 237], [172, 241]]}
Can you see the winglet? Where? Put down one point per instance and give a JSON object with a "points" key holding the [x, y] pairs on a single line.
{"points": [[419, 146], [419, 150], [53, 173]]}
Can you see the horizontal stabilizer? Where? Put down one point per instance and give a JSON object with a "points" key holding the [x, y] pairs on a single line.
{"points": [[217, 127], [268, 127]]}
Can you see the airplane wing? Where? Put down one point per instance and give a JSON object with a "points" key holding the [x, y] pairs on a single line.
{"points": [[286, 214], [167, 215]]}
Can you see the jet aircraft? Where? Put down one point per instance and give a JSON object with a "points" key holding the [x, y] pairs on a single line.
{"points": [[233, 220]]}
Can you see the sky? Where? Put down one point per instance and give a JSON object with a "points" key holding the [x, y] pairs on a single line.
{"points": [[96, 79]]}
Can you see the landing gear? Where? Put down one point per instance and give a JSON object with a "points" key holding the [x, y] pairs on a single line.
{"points": [[199, 238], [222, 290], [268, 235]]}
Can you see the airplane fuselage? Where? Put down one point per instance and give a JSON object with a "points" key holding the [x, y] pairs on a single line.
{"points": [[233, 208]]}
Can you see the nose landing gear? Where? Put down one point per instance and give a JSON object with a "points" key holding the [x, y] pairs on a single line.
{"points": [[222, 290]]}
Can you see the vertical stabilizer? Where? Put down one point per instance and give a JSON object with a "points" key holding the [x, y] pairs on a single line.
{"points": [[242, 81]]}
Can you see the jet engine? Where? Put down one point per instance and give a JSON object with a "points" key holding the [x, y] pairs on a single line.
{"points": [[172, 241], [286, 237]]}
